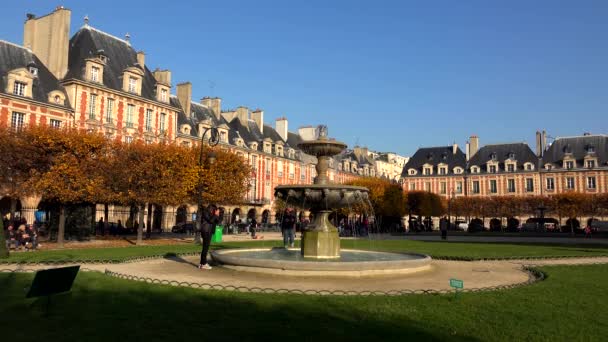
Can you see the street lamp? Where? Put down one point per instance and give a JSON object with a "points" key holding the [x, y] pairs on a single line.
{"points": [[449, 207], [213, 141]]}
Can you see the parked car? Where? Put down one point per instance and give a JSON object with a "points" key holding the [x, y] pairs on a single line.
{"points": [[599, 226], [183, 228], [537, 224]]}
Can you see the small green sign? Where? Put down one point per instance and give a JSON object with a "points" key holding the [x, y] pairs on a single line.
{"points": [[457, 284]]}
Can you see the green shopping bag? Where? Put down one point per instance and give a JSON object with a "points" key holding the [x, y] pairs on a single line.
{"points": [[217, 236]]}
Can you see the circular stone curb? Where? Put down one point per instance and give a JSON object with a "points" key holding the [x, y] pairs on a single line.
{"points": [[229, 259]]}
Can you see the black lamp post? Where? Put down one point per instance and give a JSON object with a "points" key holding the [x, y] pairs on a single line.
{"points": [[449, 208], [213, 141]]}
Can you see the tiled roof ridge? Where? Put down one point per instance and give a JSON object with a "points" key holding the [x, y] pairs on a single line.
{"points": [[583, 136], [507, 143], [89, 27], [15, 45]]}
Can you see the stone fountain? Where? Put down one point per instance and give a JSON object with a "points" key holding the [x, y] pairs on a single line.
{"points": [[321, 240], [320, 254]]}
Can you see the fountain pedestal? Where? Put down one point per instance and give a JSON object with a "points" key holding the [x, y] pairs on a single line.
{"points": [[321, 239]]}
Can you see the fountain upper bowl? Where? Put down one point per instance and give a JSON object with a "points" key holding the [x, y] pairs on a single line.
{"points": [[322, 196]]}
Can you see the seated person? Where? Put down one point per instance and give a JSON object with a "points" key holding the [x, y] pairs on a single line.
{"points": [[11, 238], [33, 234]]}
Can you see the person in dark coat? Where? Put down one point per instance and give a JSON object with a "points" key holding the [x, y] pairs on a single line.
{"points": [[288, 227], [443, 226], [209, 219]]}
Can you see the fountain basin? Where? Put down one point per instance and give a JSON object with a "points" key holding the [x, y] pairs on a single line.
{"points": [[351, 263]]}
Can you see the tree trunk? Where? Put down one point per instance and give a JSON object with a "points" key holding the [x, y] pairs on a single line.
{"points": [[61, 228], [149, 222], [13, 208], [3, 249], [140, 228]]}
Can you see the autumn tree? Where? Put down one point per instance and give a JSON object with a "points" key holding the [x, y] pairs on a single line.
{"points": [[569, 205], [225, 181], [72, 174], [18, 159], [156, 173]]}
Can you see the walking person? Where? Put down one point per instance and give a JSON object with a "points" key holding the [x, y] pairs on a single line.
{"points": [[252, 227], [443, 226], [209, 219], [288, 227]]}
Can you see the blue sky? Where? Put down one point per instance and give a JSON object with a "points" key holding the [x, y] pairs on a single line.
{"points": [[391, 75]]}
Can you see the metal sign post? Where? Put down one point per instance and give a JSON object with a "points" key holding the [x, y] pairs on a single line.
{"points": [[456, 284]]}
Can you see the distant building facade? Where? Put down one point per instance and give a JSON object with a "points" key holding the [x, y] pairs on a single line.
{"points": [[569, 164]]}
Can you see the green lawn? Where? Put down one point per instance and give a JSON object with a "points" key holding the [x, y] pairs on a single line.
{"points": [[468, 251], [570, 305]]}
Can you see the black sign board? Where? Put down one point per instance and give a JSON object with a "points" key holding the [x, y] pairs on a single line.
{"points": [[53, 281]]}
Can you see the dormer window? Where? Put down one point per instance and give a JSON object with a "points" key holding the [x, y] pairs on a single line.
{"points": [[57, 99], [511, 155], [457, 170], [529, 166], [33, 71], [19, 88], [94, 74], [443, 170], [569, 164], [493, 156], [548, 167], [132, 85], [590, 149], [510, 167], [254, 146], [492, 169], [223, 136], [590, 163], [474, 169], [428, 171], [163, 95]]}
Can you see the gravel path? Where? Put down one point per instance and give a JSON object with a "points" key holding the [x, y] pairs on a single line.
{"points": [[475, 274]]}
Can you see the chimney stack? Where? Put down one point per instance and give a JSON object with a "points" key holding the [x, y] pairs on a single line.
{"points": [[258, 117], [467, 150], [141, 59], [48, 37], [184, 95], [307, 133], [243, 114], [539, 145], [454, 148], [544, 141], [215, 104], [281, 127], [163, 76], [473, 145]]}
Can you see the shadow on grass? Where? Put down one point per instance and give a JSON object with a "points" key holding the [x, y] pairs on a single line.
{"points": [[102, 309]]}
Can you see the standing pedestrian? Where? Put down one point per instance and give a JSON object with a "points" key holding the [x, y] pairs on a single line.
{"points": [[288, 227], [443, 226], [209, 219], [252, 227]]}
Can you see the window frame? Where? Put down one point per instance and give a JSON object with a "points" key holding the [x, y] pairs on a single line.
{"points": [[17, 121], [19, 88], [570, 183], [92, 106]]}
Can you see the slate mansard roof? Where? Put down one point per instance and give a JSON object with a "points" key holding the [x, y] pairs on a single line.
{"points": [[520, 152], [577, 147], [88, 42], [14, 57], [435, 156]]}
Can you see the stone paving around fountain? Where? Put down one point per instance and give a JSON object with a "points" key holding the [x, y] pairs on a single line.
{"points": [[475, 274]]}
